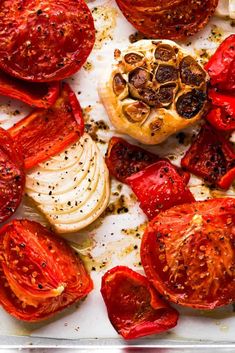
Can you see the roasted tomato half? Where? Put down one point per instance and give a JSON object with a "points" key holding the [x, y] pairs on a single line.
{"points": [[134, 307], [188, 253], [46, 132], [172, 19], [12, 177], [44, 40], [39, 273]]}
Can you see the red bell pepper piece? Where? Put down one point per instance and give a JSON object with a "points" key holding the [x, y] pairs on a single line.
{"points": [[46, 132], [223, 100], [221, 66], [124, 159], [40, 95], [211, 157], [220, 120], [159, 187], [134, 307]]}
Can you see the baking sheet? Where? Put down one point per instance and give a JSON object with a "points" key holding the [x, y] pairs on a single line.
{"points": [[113, 238]]}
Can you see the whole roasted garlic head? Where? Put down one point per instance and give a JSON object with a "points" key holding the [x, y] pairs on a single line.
{"points": [[154, 89]]}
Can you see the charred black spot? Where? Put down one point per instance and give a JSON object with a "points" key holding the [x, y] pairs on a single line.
{"points": [[191, 72], [189, 104], [181, 137], [133, 154], [166, 73], [39, 12]]}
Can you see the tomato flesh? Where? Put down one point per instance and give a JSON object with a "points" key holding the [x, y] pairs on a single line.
{"points": [[188, 253], [134, 307], [44, 40], [46, 132], [172, 19], [39, 273]]}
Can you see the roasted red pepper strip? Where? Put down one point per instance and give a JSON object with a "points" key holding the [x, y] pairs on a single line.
{"points": [[222, 115], [134, 306], [46, 132], [220, 120], [211, 157], [221, 66], [223, 100], [124, 159], [159, 187], [40, 95]]}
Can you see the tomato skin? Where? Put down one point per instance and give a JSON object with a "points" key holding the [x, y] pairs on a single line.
{"points": [[46, 132], [12, 176], [159, 187], [124, 159], [134, 307], [221, 66], [211, 157], [35, 94], [188, 253], [39, 273], [44, 40], [172, 19]]}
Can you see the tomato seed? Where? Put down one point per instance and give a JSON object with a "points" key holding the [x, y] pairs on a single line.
{"points": [[166, 268], [162, 257]]}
